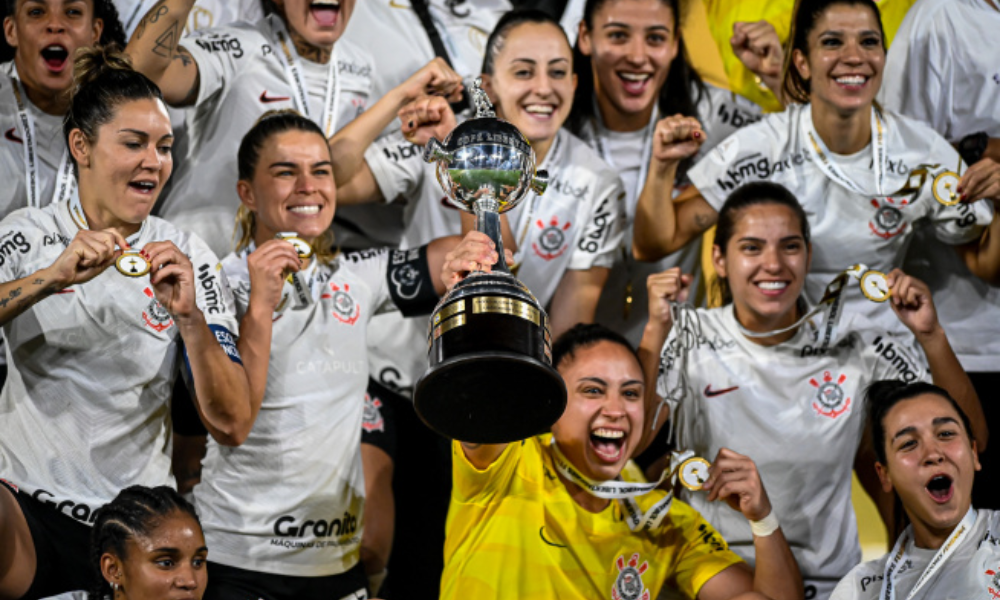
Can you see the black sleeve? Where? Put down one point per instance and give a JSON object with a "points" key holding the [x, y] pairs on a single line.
{"points": [[410, 282]]}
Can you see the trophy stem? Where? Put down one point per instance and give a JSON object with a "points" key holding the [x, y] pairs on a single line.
{"points": [[488, 222]]}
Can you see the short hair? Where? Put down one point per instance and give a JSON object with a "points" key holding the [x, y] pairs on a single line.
{"points": [[881, 396]]}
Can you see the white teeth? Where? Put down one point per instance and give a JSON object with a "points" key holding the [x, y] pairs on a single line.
{"points": [[332, 3], [851, 80], [305, 210], [772, 285], [612, 434], [635, 76], [146, 185], [540, 109], [55, 48]]}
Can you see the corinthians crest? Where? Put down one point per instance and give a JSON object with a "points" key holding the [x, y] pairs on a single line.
{"points": [[551, 242], [156, 317], [628, 585], [830, 399]]}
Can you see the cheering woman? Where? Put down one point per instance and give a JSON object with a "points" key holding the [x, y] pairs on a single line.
{"points": [[94, 342]]}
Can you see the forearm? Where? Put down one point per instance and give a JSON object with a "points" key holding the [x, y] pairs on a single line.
{"points": [[254, 345], [221, 389], [776, 574], [654, 336], [348, 145], [655, 216], [993, 149], [983, 258], [947, 373], [437, 250], [575, 300], [20, 295], [154, 43]]}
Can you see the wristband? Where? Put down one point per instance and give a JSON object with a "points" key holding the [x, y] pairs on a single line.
{"points": [[765, 526], [972, 147]]}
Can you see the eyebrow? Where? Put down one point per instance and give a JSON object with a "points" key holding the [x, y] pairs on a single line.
{"points": [[533, 61], [840, 32], [936, 423], [787, 238], [627, 26], [634, 382], [142, 133], [322, 163], [595, 380]]}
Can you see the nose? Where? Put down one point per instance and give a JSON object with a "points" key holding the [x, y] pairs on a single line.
{"points": [[614, 407], [152, 159], [185, 578], [636, 51], [305, 184], [933, 453], [55, 22], [771, 257], [852, 52], [544, 85]]}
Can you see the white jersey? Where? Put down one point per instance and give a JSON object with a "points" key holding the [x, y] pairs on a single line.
{"points": [[242, 77], [720, 113], [939, 72], [796, 410], [86, 403], [575, 225], [972, 571], [463, 26], [50, 147], [848, 228], [290, 499], [205, 14]]}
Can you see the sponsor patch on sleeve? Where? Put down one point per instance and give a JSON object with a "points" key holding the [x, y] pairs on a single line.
{"points": [[410, 282]]}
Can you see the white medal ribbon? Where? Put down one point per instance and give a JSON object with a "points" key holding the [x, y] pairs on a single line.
{"points": [[822, 154], [300, 286], [526, 216], [65, 182], [80, 219], [898, 557], [625, 491], [647, 148], [290, 60]]}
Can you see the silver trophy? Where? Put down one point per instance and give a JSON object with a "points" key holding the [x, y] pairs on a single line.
{"points": [[490, 378]]}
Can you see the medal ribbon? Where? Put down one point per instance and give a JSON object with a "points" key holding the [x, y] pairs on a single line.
{"points": [[302, 283], [65, 182], [290, 60], [880, 156], [625, 491], [80, 219], [527, 215], [898, 557], [647, 149]]}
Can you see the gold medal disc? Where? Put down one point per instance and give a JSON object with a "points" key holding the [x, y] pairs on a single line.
{"points": [[132, 264], [693, 473], [946, 188], [302, 247], [875, 286]]}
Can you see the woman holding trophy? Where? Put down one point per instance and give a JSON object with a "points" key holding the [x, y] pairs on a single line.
{"points": [[768, 375], [304, 312], [98, 301], [867, 178]]}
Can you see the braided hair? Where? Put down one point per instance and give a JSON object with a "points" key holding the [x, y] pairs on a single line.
{"points": [[105, 10], [135, 512]]}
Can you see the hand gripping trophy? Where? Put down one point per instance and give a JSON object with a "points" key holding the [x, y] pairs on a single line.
{"points": [[490, 378]]}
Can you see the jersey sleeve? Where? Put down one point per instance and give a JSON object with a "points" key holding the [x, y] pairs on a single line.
{"points": [[19, 237], [372, 266], [745, 156], [894, 356], [863, 582], [961, 223], [398, 167], [213, 294], [604, 230], [472, 485], [703, 553], [723, 113], [221, 53]]}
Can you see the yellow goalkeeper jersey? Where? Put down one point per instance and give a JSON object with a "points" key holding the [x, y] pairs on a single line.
{"points": [[515, 533]]}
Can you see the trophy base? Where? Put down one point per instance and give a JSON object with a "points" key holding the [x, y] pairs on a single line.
{"points": [[527, 397]]}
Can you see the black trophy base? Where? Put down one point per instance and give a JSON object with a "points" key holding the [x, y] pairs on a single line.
{"points": [[490, 397]]}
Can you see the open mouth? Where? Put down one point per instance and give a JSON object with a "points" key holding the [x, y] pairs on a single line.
{"points": [[851, 81], [540, 111], [143, 187], [635, 83], [55, 57], [325, 12], [940, 488], [608, 444], [772, 288], [305, 209]]}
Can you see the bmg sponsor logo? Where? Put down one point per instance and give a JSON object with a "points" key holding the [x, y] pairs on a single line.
{"points": [[897, 358], [756, 166], [213, 300], [11, 243]]}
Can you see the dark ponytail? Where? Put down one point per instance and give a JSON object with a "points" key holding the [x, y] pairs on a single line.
{"points": [[103, 80], [135, 512]]}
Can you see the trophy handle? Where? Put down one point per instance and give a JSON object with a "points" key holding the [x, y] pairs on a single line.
{"points": [[435, 151], [540, 182], [488, 222]]}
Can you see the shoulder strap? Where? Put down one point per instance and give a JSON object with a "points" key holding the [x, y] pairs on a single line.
{"points": [[423, 13]]}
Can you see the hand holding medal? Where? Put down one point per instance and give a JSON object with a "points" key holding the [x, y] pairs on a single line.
{"points": [[172, 278], [269, 266], [88, 254], [301, 291], [912, 303], [735, 479]]}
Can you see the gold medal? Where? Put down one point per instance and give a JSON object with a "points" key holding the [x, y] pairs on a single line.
{"points": [[132, 264], [875, 286], [302, 247], [693, 473], [946, 188]]}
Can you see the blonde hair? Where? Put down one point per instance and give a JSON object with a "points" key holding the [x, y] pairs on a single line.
{"points": [[270, 124]]}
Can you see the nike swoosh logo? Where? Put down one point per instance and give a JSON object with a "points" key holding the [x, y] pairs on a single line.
{"points": [[541, 534], [269, 99], [710, 393], [12, 136]]}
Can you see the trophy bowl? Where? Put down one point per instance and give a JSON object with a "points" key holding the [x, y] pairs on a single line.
{"points": [[490, 378]]}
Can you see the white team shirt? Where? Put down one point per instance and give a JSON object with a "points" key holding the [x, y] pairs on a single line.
{"points": [[973, 571], [577, 224], [205, 14], [796, 411], [720, 113], [463, 27], [241, 79], [847, 228], [290, 499], [938, 71], [86, 403], [50, 145]]}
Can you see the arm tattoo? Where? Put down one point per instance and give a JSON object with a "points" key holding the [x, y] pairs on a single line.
{"points": [[704, 220], [167, 42]]}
